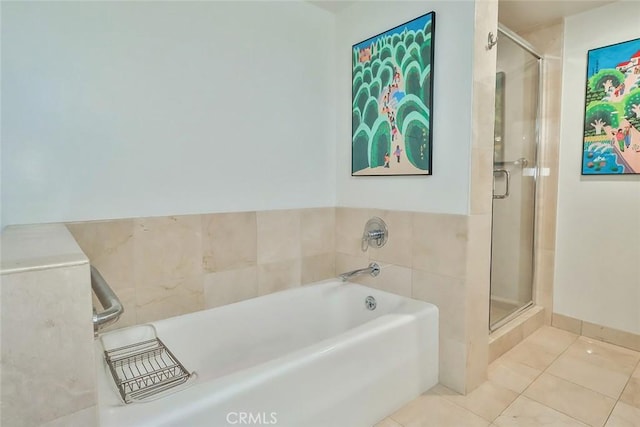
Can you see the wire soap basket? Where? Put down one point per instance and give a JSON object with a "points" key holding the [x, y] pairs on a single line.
{"points": [[145, 369]]}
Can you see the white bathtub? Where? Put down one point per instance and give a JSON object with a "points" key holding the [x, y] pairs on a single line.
{"points": [[310, 356]]}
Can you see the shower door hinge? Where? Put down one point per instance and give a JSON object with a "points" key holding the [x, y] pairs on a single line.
{"points": [[492, 40]]}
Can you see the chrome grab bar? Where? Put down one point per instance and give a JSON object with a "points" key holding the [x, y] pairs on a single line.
{"points": [[507, 175], [113, 308]]}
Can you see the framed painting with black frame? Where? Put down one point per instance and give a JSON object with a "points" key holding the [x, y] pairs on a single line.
{"points": [[392, 101]]}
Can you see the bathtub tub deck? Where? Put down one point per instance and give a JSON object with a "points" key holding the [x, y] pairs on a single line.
{"points": [[310, 356]]}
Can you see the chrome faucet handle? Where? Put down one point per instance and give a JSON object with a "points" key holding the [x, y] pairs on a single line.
{"points": [[375, 234]]}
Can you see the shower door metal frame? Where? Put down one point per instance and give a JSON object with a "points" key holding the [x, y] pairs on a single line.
{"points": [[514, 37]]}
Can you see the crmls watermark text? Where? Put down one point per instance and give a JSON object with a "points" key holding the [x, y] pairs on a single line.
{"points": [[252, 418]]}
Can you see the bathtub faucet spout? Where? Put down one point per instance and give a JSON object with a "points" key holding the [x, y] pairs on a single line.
{"points": [[373, 270]]}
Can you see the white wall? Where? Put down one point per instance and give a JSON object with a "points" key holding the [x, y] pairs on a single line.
{"points": [[447, 190], [597, 274], [128, 109]]}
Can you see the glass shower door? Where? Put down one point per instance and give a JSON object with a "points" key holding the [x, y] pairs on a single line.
{"points": [[514, 168]]}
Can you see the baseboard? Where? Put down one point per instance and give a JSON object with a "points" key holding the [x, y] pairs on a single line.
{"points": [[592, 330]]}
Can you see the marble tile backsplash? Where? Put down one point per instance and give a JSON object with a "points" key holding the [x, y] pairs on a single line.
{"points": [[167, 266], [40, 335], [163, 267], [47, 367], [427, 257]]}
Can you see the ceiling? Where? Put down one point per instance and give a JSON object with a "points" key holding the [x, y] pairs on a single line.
{"points": [[334, 6], [525, 15], [517, 15]]}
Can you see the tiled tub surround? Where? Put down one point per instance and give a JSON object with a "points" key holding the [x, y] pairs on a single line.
{"points": [[552, 378], [162, 267], [428, 257], [167, 266], [48, 378]]}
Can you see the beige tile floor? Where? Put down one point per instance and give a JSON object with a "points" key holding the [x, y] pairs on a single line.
{"points": [[552, 378]]}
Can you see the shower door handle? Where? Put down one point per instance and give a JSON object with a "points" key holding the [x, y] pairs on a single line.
{"points": [[507, 176]]}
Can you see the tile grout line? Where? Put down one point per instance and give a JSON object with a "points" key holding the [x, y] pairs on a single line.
{"points": [[532, 381], [549, 365], [456, 404], [622, 392], [548, 373], [587, 388], [505, 409], [578, 385], [543, 371], [394, 420], [469, 410]]}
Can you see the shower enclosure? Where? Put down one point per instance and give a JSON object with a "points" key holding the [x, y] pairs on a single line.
{"points": [[518, 89]]}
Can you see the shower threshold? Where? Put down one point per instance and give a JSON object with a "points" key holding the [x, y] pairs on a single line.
{"points": [[497, 325]]}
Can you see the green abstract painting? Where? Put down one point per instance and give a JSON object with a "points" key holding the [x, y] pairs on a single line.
{"points": [[392, 99]]}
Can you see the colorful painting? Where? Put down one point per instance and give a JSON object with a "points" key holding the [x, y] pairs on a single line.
{"points": [[392, 87], [612, 110]]}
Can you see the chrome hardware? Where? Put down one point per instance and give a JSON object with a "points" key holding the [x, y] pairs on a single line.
{"points": [[375, 234], [113, 308], [373, 270], [507, 175], [144, 369], [370, 303], [492, 40], [521, 163]]}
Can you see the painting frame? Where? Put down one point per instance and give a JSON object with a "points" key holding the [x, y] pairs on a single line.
{"points": [[611, 124], [392, 83]]}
